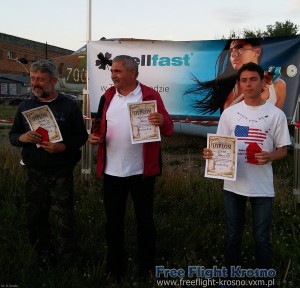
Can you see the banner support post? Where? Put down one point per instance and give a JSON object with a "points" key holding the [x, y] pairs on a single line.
{"points": [[296, 180], [86, 110]]}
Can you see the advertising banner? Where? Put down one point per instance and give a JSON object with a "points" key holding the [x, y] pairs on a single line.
{"points": [[197, 79]]}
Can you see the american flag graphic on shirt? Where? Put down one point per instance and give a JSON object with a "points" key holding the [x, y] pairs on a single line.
{"points": [[250, 135]]}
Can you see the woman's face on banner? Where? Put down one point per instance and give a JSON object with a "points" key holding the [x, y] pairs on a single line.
{"points": [[242, 52]]}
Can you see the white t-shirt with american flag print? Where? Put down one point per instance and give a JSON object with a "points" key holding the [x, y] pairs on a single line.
{"points": [[265, 125]]}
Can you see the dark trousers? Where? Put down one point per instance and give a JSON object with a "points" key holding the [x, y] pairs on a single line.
{"points": [[235, 206], [50, 190], [116, 190]]}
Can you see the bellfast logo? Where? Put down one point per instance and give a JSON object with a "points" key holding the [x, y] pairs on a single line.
{"points": [[156, 60], [104, 60]]}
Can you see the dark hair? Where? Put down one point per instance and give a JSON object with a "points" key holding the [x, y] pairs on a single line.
{"points": [[251, 67], [213, 93]]}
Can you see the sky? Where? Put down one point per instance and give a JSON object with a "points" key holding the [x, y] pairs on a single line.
{"points": [[63, 23]]}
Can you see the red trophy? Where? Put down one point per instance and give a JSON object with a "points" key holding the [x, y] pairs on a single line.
{"points": [[251, 150]]}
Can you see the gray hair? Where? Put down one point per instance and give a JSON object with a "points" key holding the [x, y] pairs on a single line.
{"points": [[45, 66], [128, 61]]}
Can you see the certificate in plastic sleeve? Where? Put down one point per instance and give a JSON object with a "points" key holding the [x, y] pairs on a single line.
{"points": [[223, 163], [42, 117], [141, 130]]}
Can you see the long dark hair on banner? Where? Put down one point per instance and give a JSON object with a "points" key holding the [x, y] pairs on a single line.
{"points": [[213, 93]]}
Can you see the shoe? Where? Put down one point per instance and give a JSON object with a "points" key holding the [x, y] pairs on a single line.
{"points": [[110, 278], [46, 260], [147, 277], [71, 259]]}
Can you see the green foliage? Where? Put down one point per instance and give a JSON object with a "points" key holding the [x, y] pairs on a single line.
{"points": [[188, 213], [252, 34], [286, 28]]}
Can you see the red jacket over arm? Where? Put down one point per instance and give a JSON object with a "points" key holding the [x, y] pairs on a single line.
{"points": [[151, 150]]}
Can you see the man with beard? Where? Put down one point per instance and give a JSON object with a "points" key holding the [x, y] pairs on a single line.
{"points": [[49, 166]]}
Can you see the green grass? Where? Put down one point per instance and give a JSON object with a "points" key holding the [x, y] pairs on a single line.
{"points": [[7, 112], [188, 213]]}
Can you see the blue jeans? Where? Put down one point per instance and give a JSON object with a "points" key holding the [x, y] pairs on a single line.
{"points": [[235, 206]]}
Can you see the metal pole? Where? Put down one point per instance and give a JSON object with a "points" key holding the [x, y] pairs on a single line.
{"points": [[296, 184], [87, 149], [89, 21]]}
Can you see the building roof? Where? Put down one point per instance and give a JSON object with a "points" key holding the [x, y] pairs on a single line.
{"points": [[13, 77], [18, 41]]}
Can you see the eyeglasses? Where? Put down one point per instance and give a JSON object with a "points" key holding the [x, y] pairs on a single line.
{"points": [[238, 51]]}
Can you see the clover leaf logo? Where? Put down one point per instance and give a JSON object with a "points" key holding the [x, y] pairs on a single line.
{"points": [[103, 61]]}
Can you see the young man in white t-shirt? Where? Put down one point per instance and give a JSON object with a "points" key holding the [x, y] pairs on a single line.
{"points": [[254, 122]]}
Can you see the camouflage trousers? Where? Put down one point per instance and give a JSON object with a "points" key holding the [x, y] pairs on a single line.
{"points": [[49, 211]]}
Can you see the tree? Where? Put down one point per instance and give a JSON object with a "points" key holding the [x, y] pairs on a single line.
{"points": [[252, 34], [286, 28]]}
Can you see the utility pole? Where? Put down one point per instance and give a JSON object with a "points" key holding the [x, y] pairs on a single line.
{"points": [[86, 110]]}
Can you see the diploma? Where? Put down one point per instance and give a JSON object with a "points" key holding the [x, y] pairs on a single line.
{"points": [[141, 130], [223, 163], [42, 119]]}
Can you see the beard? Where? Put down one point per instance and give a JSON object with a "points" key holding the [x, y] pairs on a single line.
{"points": [[40, 92], [44, 94]]}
